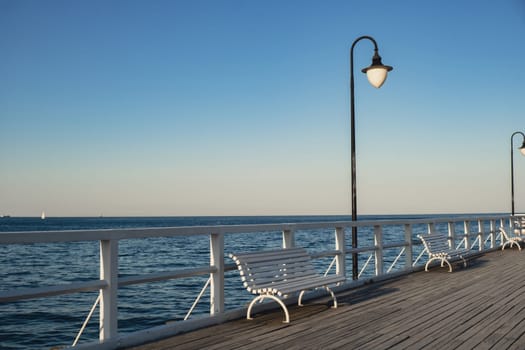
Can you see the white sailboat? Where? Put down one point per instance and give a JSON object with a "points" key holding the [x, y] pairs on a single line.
{"points": [[43, 216]]}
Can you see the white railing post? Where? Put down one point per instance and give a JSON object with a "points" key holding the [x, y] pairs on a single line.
{"points": [[431, 227], [217, 277], [452, 234], [481, 234], [340, 259], [288, 239], [467, 234], [378, 242], [492, 233], [408, 251], [108, 296]]}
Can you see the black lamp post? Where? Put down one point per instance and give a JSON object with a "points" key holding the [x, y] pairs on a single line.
{"points": [[376, 74], [522, 150]]}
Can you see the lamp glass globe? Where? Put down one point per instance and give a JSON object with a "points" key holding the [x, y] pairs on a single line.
{"points": [[377, 76]]}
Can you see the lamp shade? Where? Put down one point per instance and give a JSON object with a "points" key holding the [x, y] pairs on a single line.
{"points": [[377, 71], [522, 148]]}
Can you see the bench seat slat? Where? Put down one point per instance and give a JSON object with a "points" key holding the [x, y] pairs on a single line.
{"points": [[270, 255], [273, 276], [277, 269], [279, 283], [271, 263], [263, 259], [299, 284]]}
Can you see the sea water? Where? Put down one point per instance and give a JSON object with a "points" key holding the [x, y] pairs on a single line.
{"points": [[54, 321]]}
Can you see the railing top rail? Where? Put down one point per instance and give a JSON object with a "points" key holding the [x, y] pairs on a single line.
{"points": [[26, 237]]}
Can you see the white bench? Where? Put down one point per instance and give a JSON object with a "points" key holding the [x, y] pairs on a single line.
{"points": [[277, 274], [438, 248], [510, 240], [519, 225]]}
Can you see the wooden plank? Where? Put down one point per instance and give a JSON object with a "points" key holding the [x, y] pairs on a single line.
{"points": [[479, 307]]}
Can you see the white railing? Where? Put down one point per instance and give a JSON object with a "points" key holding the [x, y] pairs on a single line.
{"points": [[386, 245]]}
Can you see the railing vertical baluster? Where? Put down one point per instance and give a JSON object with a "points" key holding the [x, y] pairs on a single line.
{"points": [[378, 242], [492, 233], [288, 238], [108, 295], [481, 235], [217, 277], [340, 260], [452, 234], [408, 251], [467, 234]]}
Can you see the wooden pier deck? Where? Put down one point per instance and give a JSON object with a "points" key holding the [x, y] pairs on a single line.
{"points": [[478, 307]]}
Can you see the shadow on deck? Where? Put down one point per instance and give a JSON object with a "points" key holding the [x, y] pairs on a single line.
{"points": [[478, 307]]}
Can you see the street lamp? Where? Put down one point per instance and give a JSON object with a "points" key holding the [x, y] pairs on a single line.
{"points": [[376, 74], [522, 150]]}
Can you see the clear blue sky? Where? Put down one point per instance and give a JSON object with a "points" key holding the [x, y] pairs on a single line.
{"points": [[242, 107]]}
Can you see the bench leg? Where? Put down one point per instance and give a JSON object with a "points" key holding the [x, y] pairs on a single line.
{"points": [[273, 297], [511, 243], [443, 261], [300, 301], [449, 266], [333, 297], [428, 263]]}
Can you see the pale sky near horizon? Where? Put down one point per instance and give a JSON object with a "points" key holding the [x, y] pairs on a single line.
{"points": [[131, 108]]}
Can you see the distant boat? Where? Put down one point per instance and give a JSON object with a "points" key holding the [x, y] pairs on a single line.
{"points": [[43, 216]]}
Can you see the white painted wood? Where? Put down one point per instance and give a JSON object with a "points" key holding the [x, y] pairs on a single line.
{"points": [[492, 225], [409, 251], [288, 239], [452, 234], [481, 235], [108, 295], [41, 292], [438, 248], [117, 234], [510, 239], [467, 234], [340, 245], [378, 242], [217, 277], [281, 273]]}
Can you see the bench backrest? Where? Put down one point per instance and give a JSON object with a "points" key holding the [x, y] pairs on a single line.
{"points": [[435, 242], [273, 266], [506, 237]]}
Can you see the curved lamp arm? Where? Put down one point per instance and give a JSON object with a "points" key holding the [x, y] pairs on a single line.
{"points": [[522, 150], [377, 71]]}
